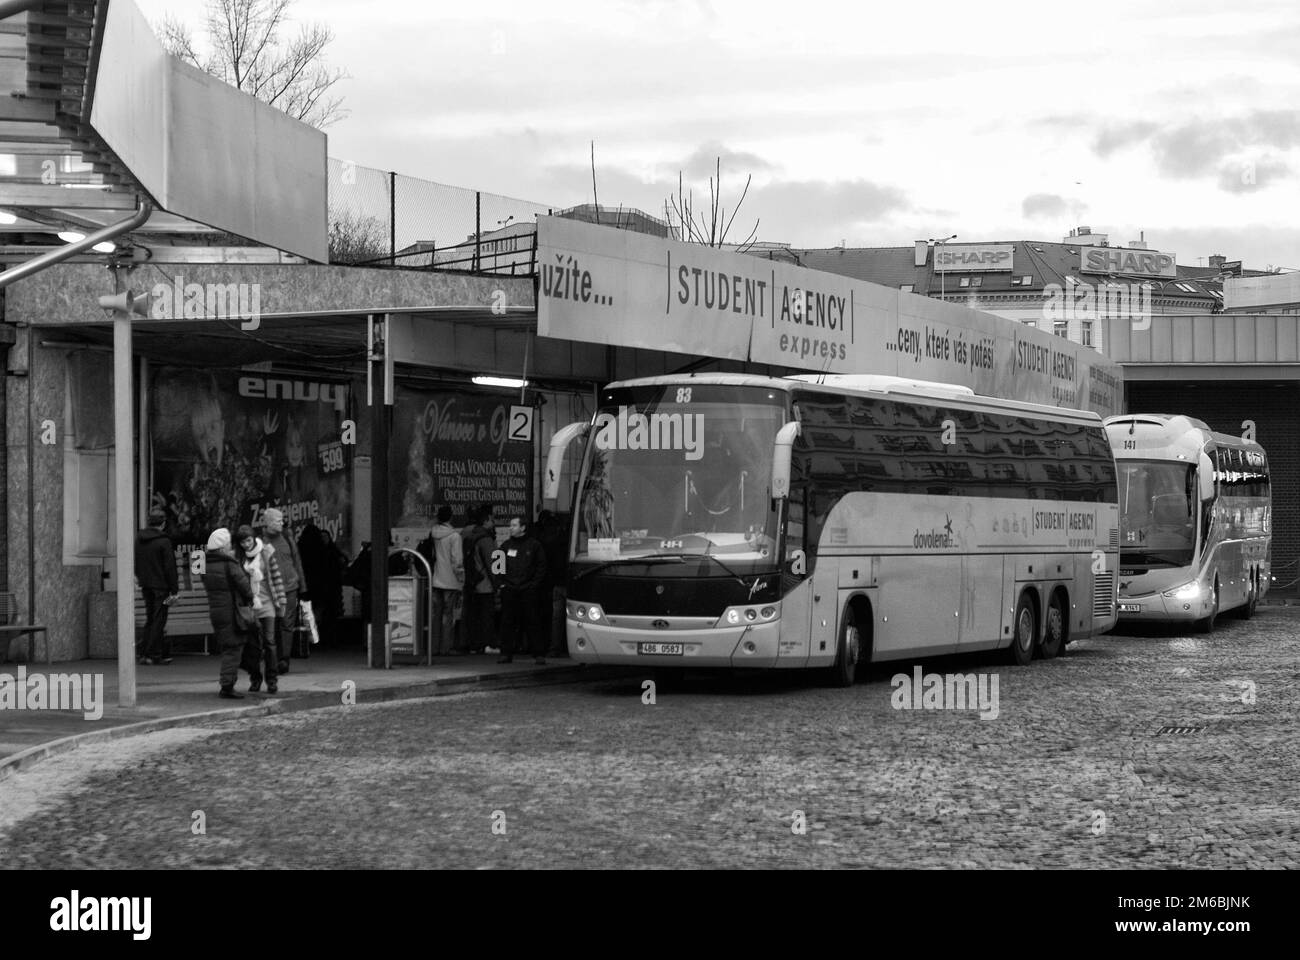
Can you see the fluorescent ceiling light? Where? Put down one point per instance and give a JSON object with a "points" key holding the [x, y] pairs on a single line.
{"points": [[7, 218], [107, 246], [500, 382], [71, 236]]}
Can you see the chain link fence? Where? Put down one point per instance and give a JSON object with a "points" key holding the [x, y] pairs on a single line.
{"points": [[383, 219]]}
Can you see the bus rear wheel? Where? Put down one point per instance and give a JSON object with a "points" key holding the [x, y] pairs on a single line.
{"points": [[1054, 629], [1252, 599], [1024, 632], [847, 652]]}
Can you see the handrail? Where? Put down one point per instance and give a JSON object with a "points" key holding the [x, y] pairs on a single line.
{"points": [[51, 257]]}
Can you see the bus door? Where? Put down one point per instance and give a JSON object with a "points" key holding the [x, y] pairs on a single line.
{"points": [[796, 584], [981, 606]]}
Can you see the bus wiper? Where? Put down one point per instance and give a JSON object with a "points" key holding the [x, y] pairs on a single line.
{"points": [[623, 561], [709, 556]]}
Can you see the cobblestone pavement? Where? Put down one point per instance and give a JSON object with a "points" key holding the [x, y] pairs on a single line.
{"points": [[1073, 772]]}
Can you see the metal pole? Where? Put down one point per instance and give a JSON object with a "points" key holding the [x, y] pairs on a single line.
{"points": [[143, 475], [123, 503], [392, 218], [379, 652], [478, 227]]}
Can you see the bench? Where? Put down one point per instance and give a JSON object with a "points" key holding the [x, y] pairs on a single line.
{"points": [[187, 617], [10, 629]]}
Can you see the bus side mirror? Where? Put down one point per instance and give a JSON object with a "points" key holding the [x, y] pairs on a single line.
{"points": [[1205, 474], [782, 450], [555, 457]]}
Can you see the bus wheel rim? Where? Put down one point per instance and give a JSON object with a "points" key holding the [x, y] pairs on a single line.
{"points": [[1025, 629]]}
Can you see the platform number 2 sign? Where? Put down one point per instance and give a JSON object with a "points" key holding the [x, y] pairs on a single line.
{"points": [[521, 423]]}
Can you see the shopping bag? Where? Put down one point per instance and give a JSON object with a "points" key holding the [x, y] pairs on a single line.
{"points": [[309, 620]]}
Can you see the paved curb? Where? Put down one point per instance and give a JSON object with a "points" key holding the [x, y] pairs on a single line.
{"points": [[444, 687]]}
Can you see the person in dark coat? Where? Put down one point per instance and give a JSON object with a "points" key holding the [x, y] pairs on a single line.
{"points": [[227, 585], [477, 543], [327, 586], [155, 568], [520, 586], [553, 534]]}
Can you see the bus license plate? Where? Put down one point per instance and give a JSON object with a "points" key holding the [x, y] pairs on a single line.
{"points": [[661, 649], [1130, 608]]}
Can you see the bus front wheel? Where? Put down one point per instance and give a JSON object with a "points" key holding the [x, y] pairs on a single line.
{"points": [[1024, 632], [847, 652]]}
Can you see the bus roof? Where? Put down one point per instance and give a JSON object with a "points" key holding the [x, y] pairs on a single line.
{"points": [[904, 388], [1175, 435]]}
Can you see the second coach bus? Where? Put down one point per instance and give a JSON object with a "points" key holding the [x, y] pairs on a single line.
{"points": [[727, 520], [1195, 512]]}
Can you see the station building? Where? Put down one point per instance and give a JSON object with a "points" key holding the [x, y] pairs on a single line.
{"points": [[209, 336]]}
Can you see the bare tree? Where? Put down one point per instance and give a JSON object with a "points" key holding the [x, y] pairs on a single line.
{"points": [[245, 50], [710, 226], [354, 237]]}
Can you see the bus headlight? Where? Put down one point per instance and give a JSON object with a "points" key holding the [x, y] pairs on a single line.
{"points": [[734, 616], [1188, 591], [586, 611]]}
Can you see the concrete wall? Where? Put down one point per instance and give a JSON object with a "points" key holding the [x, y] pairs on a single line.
{"points": [[62, 592]]}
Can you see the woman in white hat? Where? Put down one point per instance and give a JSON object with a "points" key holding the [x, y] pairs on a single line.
{"points": [[227, 586]]}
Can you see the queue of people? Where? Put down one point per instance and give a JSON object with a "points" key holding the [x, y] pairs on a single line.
{"points": [[502, 599]]}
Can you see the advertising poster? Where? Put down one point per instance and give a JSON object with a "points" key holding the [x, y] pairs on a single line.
{"points": [[227, 444], [401, 615], [458, 449]]}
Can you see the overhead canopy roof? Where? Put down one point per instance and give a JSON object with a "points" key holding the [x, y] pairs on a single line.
{"points": [[94, 114]]}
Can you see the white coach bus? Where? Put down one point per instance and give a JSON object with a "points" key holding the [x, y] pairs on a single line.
{"points": [[727, 520], [1195, 515]]}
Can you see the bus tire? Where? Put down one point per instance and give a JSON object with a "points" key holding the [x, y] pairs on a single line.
{"points": [[1055, 628], [1252, 599], [1206, 624], [847, 652], [1024, 632]]}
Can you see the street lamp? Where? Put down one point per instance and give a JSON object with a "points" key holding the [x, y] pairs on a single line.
{"points": [[939, 242]]}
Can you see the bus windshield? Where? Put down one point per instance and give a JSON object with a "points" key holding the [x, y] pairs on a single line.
{"points": [[681, 470], [1157, 502]]}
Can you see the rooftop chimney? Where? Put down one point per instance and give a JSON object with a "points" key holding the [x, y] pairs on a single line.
{"points": [[1084, 237]]}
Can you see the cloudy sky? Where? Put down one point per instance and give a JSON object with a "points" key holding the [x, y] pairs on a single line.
{"points": [[872, 124]]}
